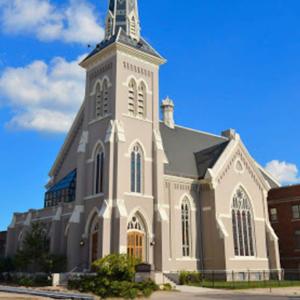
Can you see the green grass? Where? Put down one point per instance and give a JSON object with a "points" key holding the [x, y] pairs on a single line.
{"points": [[239, 285]]}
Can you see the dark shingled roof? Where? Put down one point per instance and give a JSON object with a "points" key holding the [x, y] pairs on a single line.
{"points": [[121, 37], [207, 158], [190, 153]]}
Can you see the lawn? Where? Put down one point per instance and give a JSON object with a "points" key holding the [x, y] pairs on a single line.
{"points": [[247, 284]]}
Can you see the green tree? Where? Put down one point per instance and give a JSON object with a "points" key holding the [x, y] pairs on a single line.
{"points": [[34, 253]]}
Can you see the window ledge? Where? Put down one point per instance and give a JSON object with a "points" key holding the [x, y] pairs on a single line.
{"points": [[187, 259], [137, 118], [94, 196], [99, 119], [139, 195]]}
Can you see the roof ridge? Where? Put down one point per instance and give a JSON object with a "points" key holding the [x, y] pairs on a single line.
{"points": [[203, 132]]}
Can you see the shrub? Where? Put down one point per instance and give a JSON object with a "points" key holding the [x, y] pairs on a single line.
{"points": [[7, 264], [116, 267], [114, 278], [28, 280], [186, 278]]}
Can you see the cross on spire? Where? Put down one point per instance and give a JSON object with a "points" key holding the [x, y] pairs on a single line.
{"points": [[123, 14]]}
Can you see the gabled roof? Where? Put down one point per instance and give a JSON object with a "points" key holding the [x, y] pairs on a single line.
{"points": [[190, 152], [123, 38], [207, 158]]}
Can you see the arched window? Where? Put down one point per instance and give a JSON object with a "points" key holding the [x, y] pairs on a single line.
{"points": [[141, 103], [99, 171], [185, 225], [133, 26], [98, 101], [136, 169], [105, 97], [242, 224], [132, 97]]}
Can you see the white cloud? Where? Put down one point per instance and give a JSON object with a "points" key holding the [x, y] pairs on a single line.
{"points": [[76, 22], [43, 97], [285, 173]]}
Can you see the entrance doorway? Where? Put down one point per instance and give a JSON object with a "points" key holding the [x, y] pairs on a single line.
{"points": [[136, 239], [94, 241]]}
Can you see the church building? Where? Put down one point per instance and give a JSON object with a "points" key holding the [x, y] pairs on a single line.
{"points": [[126, 182]]}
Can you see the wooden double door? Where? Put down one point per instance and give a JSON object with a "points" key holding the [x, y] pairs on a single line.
{"points": [[136, 244]]}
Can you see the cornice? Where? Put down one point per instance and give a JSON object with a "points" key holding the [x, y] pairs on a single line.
{"points": [[117, 46]]}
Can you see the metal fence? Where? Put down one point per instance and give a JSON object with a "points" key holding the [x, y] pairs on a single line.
{"points": [[246, 278]]}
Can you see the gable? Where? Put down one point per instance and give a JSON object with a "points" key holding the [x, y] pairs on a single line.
{"points": [[236, 156], [70, 146]]}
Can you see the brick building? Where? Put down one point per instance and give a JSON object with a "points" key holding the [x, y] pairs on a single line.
{"points": [[284, 210], [2, 243]]}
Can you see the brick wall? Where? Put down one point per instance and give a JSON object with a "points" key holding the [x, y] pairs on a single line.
{"points": [[283, 199]]}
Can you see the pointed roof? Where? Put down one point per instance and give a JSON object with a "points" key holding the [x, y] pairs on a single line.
{"points": [[123, 26], [123, 14]]}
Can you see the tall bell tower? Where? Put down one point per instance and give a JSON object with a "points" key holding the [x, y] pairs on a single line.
{"points": [[122, 118]]}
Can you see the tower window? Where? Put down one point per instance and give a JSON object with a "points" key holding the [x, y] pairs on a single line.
{"points": [[132, 97], [99, 101], [136, 170], [141, 100], [99, 171], [101, 98], [137, 99]]}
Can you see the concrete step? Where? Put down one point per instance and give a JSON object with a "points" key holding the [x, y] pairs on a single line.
{"points": [[48, 294], [172, 277]]}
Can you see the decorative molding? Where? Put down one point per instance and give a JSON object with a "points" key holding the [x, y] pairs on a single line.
{"points": [[28, 219], [100, 70], [136, 118], [120, 132], [58, 214], [99, 119], [75, 218], [76, 126], [110, 132], [136, 195], [105, 211], [91, 197], [122, 211], [83, 142]]}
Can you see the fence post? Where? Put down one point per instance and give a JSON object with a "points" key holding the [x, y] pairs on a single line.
{"points": [[213, 276], [233, 279], [248, 278], [264, 273]]}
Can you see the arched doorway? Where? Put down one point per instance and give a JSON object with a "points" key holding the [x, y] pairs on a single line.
{"points": [[136, 238], [94, 241]]}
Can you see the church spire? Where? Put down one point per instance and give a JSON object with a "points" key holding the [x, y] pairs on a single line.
{"points": [[123, 14]]}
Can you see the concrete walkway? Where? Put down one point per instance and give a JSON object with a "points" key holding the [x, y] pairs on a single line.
{"points": [[43, 293]]}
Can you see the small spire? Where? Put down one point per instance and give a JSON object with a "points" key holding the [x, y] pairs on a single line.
{"points": [[123, 14], [168, 112]]}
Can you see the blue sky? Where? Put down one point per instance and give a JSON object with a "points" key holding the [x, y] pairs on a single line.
{"points": [[231, 64]]}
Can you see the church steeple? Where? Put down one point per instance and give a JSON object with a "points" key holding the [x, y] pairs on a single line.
{"points": [[123, 14]]}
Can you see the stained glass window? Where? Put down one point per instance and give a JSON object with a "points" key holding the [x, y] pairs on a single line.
{"points": [[185, 225], [242, 225]]}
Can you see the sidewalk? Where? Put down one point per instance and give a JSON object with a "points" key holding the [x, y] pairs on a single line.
{"points": [[44, 293]]}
